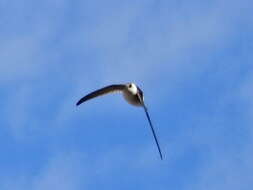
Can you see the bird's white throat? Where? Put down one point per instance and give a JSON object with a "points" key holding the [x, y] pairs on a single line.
{"points": [[132, 88]]}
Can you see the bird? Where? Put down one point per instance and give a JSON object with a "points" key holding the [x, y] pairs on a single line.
{"points": [[132, 94]]}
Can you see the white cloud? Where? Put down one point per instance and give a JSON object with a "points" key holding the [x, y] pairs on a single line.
{"points": [[63, 171], [227, 172], [19, 59], [17, 113], [246, 93], [143, 46]]}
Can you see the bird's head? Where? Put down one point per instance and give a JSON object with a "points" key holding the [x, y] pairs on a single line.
{"points": [[132, 88]]}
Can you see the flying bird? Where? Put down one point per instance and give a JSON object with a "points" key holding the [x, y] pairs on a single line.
{"points": [[132, 94]]}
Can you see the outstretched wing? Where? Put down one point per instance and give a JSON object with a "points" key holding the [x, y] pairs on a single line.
{"points": [[150, 123], [102, 91]]}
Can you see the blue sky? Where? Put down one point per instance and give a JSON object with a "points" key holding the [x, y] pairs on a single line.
{"points": [[193, 60]]}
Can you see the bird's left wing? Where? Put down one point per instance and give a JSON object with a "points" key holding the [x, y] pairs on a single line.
{"points": [[102, 91]]}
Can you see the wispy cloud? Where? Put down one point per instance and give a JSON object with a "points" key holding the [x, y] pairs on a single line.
{"points": [[189, 57], [64, 170]]}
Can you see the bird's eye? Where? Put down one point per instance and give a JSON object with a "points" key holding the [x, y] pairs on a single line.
{"points": [[130, 85]]}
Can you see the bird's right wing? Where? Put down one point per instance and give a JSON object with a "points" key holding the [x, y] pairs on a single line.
{"points": [[102, 91]]}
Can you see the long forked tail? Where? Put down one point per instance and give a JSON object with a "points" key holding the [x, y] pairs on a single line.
{"points": [[153, 131], [151, 125]]}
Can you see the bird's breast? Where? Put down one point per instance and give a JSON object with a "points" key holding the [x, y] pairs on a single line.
{"points": [[131, 98]]}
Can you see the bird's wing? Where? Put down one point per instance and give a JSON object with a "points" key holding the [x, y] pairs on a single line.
{"points": [[151, 126], [102, 91]]}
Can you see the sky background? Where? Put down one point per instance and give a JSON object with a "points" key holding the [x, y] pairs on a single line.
{"points": [[193, 60]]}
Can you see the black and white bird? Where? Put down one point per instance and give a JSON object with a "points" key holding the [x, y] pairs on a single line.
{"points": [[133, 95]]}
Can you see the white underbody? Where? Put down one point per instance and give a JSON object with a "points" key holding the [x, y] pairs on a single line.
{"points": [[131, 98]]}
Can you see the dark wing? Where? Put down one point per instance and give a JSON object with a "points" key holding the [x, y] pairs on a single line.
{"points": [[140, 96], [102, 91], [150, 123]]}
